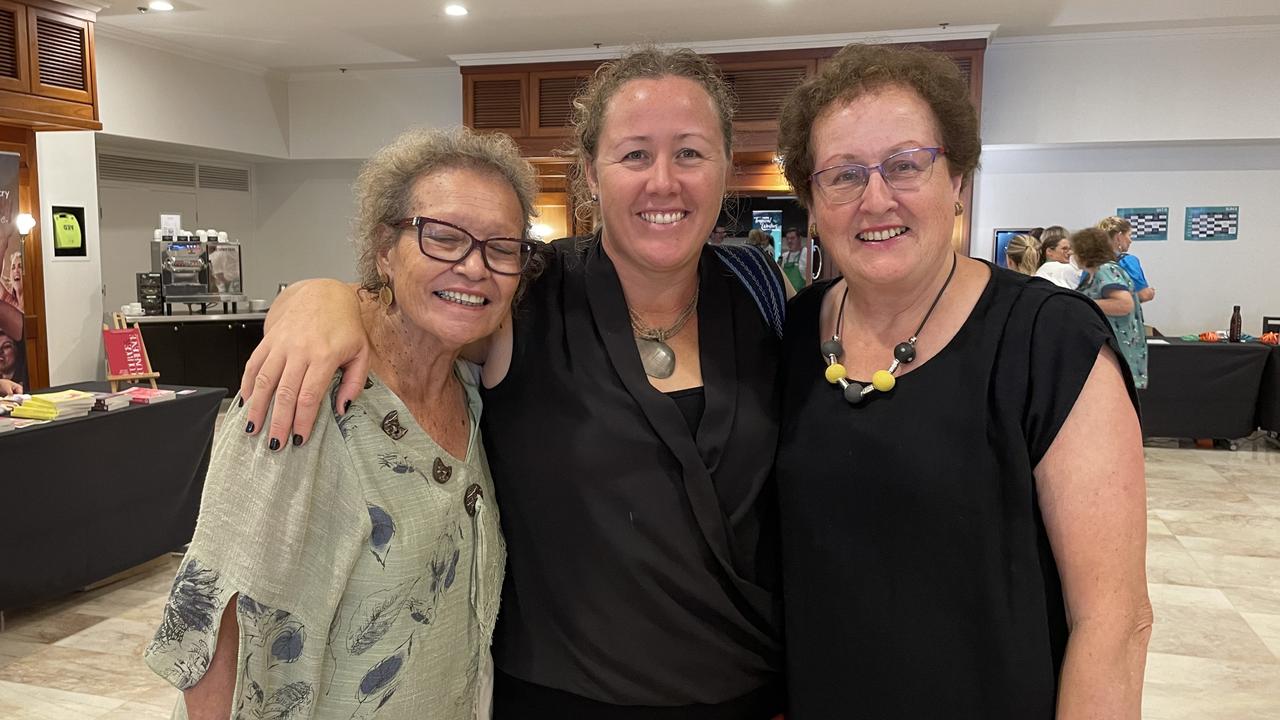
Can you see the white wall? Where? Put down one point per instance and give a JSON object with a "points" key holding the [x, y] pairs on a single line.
{"points": [[1196, 282], [303, 212], [1175, 85], [162, 96], [72, 286], [350, 115]]}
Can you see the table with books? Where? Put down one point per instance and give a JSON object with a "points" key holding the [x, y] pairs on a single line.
{"points": [[1269, 394], [90, 493]]}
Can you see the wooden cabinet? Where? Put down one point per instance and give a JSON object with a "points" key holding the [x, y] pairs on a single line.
{"points": [[47, 66], [207, 353]]}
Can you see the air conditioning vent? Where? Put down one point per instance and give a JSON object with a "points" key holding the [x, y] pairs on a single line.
{"points": [[213, 177], [8, 44], [761, 92], [60, 49], [146, 171], [496, 104], [555, 100]]}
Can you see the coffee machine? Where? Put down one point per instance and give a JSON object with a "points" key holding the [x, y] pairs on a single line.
{"points": [[184, 270]]}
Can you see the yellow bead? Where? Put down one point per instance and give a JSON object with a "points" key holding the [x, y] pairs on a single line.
{"points": [[835, 372], [883, 380]]}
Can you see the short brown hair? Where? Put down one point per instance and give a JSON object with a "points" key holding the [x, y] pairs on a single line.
{"points": [[1092, 248], [1115, 225], [861, 69], [646, 61], [384, 188]]}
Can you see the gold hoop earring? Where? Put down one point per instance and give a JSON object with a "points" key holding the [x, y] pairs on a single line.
{"points": [[386, 295], [959, 208]]}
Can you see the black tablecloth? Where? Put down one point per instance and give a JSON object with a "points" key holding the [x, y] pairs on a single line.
{"points": [[1269, 394], [85, 498], [1203, 390]]}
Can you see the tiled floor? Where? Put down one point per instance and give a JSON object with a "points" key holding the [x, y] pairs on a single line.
{"points": [[1213, 565]]}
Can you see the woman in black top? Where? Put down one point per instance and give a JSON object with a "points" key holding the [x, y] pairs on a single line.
{"points": [[960, 465], [630, 422]]}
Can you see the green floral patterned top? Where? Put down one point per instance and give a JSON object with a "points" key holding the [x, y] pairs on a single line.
{"points": [[366, 565], [1130, 330]]}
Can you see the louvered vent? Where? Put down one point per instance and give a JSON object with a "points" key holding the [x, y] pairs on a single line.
{"points": [[496, 104], [224, 178], [966, 68], [555, 100], [61, 52], [761, 92], [122, 168], [8, 44]]}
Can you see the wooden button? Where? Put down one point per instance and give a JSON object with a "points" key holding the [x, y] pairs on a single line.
{"points": [[473, 494]]}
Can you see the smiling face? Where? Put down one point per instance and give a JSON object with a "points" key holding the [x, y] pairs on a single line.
{"points": [[1060, 252], [455, 303], [8, 356], [660, 173], [885, 236]]}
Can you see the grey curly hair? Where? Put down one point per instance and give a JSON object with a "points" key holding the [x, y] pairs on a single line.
{"points": [[384, 187]]}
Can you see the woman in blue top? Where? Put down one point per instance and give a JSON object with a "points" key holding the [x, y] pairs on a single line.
{"points": [[1120, 234]]}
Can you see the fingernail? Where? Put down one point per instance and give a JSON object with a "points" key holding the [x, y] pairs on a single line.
{"points": [[249, 428], [346, 406], [297, 440], [274, 444], [240, 402]]}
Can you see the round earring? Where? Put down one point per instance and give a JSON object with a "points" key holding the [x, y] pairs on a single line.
{"points": [[959, 208], [595, 198], [386, 295]]}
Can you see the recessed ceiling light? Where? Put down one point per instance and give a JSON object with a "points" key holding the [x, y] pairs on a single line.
{"points": [[160, 5], [455, 10]]}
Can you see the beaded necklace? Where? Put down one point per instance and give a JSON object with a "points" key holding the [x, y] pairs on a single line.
{"points": [[903, 352]]}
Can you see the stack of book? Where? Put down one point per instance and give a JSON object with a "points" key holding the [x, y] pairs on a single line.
{"points": [[55, 406], [105, 401], [148, 396]]}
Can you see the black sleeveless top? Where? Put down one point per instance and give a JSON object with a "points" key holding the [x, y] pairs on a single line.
{"points": [[642, 558], [918, 576]]}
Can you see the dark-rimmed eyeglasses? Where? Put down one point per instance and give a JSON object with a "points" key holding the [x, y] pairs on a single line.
{"points": [[903, 170], [446, 242]]}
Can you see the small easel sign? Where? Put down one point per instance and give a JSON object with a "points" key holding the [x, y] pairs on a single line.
{"points": [[126, 354]]}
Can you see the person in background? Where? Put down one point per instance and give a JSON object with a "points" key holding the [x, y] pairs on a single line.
{"points": [[795, 259], [11, 359], [718, 234], [1055, 265], [763, 240], [1023, 254], [1120, 231], [1113, 290], [946, 554], [361, 578]]}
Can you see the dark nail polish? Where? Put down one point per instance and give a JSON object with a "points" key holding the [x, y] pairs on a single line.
{"points": [[297, 440], [240, 402], [274, 444], [346, 406], [249, 428]]}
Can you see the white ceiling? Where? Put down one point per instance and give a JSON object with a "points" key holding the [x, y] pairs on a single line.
{"points": [[302, 35]]}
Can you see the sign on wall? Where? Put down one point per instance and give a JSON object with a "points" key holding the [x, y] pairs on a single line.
{"points": [[13, 351], [1213, 222], [1149, 223]]}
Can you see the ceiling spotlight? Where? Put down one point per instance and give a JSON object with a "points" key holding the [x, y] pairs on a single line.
{"points": [[455, 10], [160, 5]]}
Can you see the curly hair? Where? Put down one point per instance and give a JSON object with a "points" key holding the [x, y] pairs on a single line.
{"points": [[646, 61], [1114, 225], [858, 70], [384, 187], [1092, 247]]}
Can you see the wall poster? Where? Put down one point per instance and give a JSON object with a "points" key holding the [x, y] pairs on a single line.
{"points": [[13, 351], [1213, 222], [1149, 223]]}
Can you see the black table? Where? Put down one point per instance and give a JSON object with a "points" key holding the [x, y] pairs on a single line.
{"points": [[1269, 394], [86, 498], [1203, 390]]}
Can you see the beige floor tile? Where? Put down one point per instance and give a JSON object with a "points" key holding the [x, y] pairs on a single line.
{"points": [[1267, 627], [116, 601], [1191, 495], [1156, 526], [1170, 563], [1254, 599], [49, 627], [12, 649], [83, 671], [1187, 596], [114, 636], [1233, 569], [28, 702], [1207, 633], [1180, 687]]}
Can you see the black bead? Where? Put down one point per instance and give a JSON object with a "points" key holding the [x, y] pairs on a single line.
{"points": [[832, 347], [853, 394], [905, 352]]}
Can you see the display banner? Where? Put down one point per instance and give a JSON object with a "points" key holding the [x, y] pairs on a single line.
{"points": [[13, 352]]}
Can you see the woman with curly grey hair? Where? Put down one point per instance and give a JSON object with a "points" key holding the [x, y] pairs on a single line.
{"points": [[365, 573]]}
